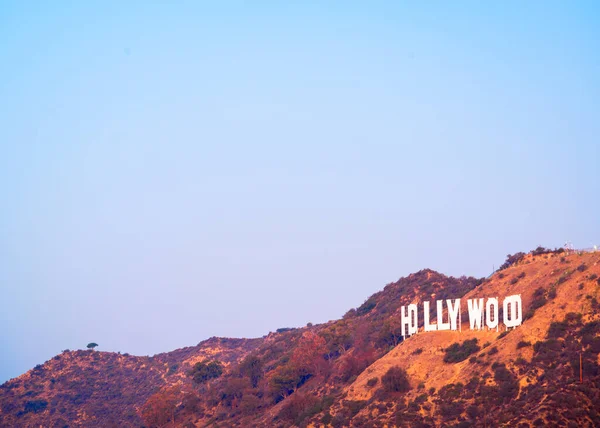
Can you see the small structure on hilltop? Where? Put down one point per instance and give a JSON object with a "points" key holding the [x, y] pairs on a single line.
{"points": [[569, 248]]}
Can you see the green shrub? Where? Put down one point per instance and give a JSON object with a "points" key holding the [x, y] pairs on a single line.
{"points": [[205, 370], [456, 353], [511, 260]]}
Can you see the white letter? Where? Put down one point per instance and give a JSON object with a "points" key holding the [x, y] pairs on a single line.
{"points": [[413, 317], [409, 319], [488, 312], [516, 313], [426, 325], [403, 321], [440, 314], [475, 313], [453, 312]]}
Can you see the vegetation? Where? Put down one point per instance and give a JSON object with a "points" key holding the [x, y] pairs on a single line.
{"points": [[456, 353], [366, 307], [300, 377], [395, 380], [35, 406], [205, 371], [511, 260], [372, 382]]}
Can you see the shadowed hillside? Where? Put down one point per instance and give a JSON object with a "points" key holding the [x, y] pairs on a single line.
{"points": [[356, 371]]}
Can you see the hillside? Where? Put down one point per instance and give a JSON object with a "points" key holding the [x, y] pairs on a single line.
{"points": [[356, 371], [103, 389]]}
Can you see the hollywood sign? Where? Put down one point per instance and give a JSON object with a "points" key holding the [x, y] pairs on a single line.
{"points": [[512, 315]]}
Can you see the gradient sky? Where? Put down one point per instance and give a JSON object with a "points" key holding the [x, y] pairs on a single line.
{"points": [[173, 172]]}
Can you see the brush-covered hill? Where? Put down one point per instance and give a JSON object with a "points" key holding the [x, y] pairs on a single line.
{"points": [[103, 389], [356, 371]]}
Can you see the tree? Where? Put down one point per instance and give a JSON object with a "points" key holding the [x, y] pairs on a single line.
{"points": [[159, 409], [91, 345], [309, 355], [252, 367], [283, 381]]}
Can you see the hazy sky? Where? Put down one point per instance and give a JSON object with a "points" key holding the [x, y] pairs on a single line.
{"points": [[173, 172]]}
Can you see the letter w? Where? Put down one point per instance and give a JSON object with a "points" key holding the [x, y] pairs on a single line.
{"points": [[475, 313]]}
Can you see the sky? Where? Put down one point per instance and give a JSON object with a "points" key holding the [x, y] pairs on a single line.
{"points": [[180, 170]]}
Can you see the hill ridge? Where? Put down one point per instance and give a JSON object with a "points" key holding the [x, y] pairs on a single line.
{"points": [[338, 373]]}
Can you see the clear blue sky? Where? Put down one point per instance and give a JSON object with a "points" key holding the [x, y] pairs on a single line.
{"points": [[173, 172]]}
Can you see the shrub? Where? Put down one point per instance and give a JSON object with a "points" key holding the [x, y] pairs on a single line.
{"points": [[298, 407], [493, 351], [473, 411], [350, 314], [354, 406], [366, 307], [511, 260], [581, 267], [557, 329], [205, 370], [504, 333], [538, 300], [252, 367], [456, 353], [395, 380], [508, 384], [372, 382], [417, 351], [523, 344], [540, 250], [520, 361], [35, 406], [566, 275]]}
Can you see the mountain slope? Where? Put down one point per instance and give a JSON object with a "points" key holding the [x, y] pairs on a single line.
{"points": [[515, 369], [356, 371], [91, 388]]}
